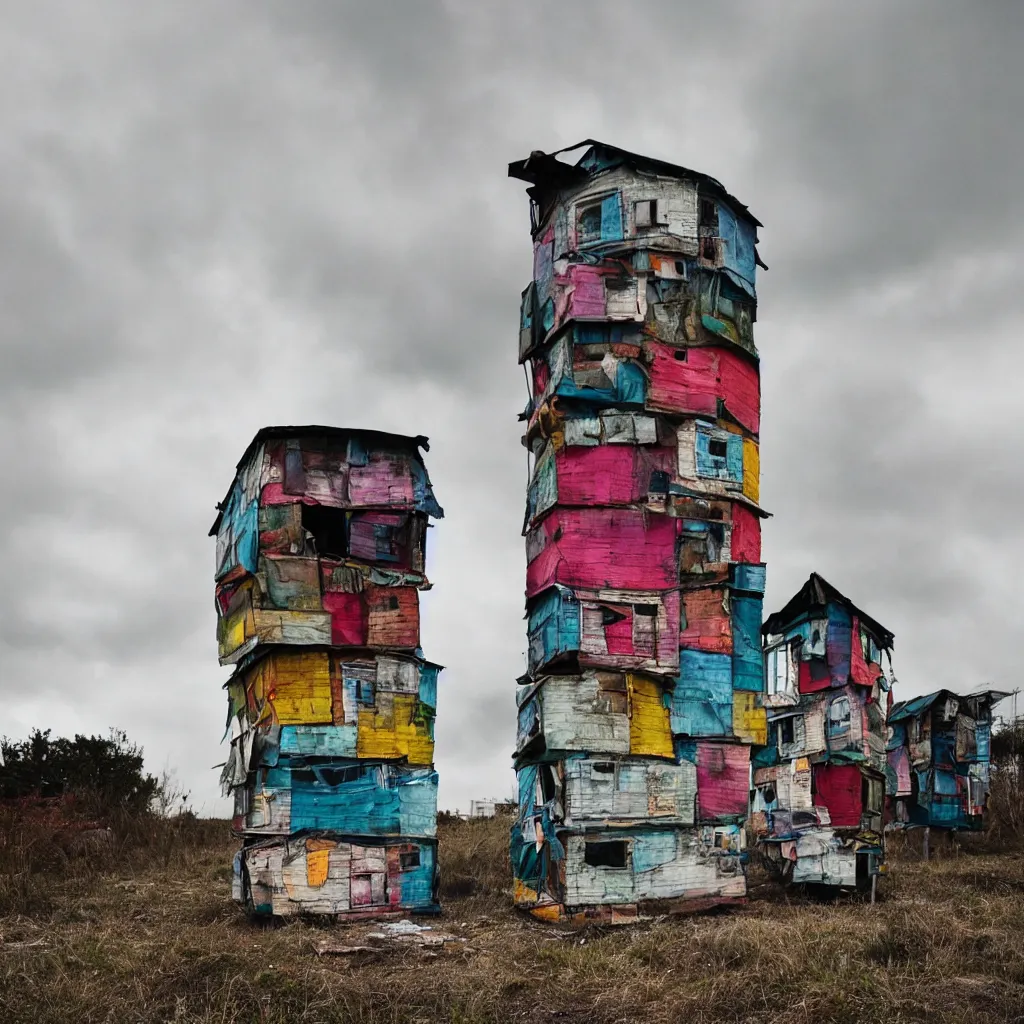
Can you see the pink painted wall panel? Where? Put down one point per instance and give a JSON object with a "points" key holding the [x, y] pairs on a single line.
{"points": [[723, 779], [587, 284], [349, 618], [668, 644], [382, 481], [619, 635], [837, 787], [609, 474], [746, 535], [623, 549], [683, 385], [740, 386]]}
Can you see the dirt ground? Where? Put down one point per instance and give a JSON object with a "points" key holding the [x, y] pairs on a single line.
{"points": [[162, 941]]}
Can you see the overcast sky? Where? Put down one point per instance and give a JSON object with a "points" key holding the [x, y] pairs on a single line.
{"points": [[223, 214]]}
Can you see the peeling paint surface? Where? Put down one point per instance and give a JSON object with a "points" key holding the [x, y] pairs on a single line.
{"points": [[320, 557], [640, 703]]}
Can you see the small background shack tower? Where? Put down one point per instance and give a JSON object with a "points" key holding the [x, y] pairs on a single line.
{"points": [[320, 561], [819, 784], [644, 577]]}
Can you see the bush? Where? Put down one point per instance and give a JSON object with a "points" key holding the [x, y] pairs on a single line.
{"points": [[110, 768]]}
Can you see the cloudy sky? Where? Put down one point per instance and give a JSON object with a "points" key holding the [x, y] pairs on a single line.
{"points": [[222, 214]]}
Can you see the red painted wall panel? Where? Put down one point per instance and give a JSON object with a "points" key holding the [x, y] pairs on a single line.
{"points": [[723, 779], [746, 535], [838, 787]]}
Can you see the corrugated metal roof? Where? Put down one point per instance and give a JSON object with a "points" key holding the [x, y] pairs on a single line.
{"points": [[316, 430], [817, 592], [546, 171]]}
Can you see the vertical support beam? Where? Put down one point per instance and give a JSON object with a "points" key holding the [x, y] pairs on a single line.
{"points": [[925, 842]]}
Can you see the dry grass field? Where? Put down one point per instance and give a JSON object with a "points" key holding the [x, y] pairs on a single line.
{"points": [[151, 934]]}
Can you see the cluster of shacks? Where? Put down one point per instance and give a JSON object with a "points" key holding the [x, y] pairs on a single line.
{"points": [[938, 760], [320, 561], [644, 581], [819, 783]]}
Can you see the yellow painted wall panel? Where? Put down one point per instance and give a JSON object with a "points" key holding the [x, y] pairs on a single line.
{"points": [[390, 730], [649, 730], [301, 688], [751, 469], [749, 722]]}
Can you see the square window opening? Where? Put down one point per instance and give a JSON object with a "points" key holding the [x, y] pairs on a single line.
{"points": [[718, 449], [611, 854], [329, 529], [406, 861]]}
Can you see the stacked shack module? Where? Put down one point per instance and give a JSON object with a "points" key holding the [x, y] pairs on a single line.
{"points": [[819, 783], [939, 749], [320, 561], [644, 579]]}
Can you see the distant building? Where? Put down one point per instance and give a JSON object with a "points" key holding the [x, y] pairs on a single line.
{"points": [[819, 783], [482, 808], [938, 760], [644, 578]]}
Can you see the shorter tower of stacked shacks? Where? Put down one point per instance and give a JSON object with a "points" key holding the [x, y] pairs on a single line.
{"points": [[644, 580], [320, 561], [939, 750], [819, 783]]}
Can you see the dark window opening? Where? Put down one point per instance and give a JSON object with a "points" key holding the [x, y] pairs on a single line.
{"points": [[659, 481], [718, 449], [605, 855], [409, 860], [547, 783], [604, 767], [609, 616], [680, 354], [708, 213], [590, 223], [768, 795], [336, 776], [393, 603], [680, 267], [645, 609], [787, 730], [328, 528], [708, 249]]}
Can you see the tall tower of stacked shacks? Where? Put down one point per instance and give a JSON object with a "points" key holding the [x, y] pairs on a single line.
{"points": [[819, 783], [320, 561], [644, 579], [940, 747]]}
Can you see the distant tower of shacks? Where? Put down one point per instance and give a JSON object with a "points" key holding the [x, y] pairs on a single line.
{"points": [[320, 560], [819, 783], [644, 577], [939, 753]]}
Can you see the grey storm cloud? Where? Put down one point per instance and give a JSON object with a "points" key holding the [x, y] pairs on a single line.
{"points": [[221, 215]]}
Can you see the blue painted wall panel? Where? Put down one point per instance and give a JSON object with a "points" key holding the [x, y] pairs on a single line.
{"points": [[747, 666], [750, 577], [554, 627], [611, 218], [365, 799], [702, 697], [719, 467], [318, 740]]}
